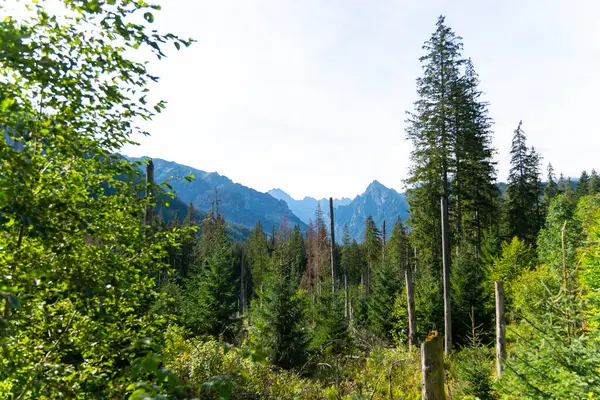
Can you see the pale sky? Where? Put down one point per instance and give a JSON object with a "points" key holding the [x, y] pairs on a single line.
{"points": [[310, 96]]}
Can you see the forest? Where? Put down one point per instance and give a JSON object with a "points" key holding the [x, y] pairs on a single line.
{"points": [[103, 298]]}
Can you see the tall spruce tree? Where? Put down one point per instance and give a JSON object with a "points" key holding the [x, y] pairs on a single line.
{"points": [[551, 189], [385, 288], [211, 293], [472, 185], [594, 184], [522, 190], [280, 320], [583, 186], [372, 245], [257, 250], [431, 131]]}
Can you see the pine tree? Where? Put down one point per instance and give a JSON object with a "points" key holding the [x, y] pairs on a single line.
{"points": [[522, 191]]}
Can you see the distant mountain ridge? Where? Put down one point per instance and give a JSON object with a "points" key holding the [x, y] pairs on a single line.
{"points": [[305, 208], [237, 203], [245, 206], [378, 201]]}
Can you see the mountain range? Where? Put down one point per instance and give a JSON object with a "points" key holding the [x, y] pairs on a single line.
{"points": [[237, 203], [245, 206], [378, 201], [305, 208]]}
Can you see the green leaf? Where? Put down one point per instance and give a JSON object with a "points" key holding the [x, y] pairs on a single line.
{"points": [[190, 177], [6, 103], [149, 17]]}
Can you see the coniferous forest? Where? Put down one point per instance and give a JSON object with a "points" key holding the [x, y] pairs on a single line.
{"points": [[103, 298]]}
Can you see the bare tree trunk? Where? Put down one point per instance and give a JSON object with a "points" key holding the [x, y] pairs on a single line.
{"points": [[242, 288], [446, 267], [500, 339], [384, 239], [410, 300], [347, 311], [477, 235], [432, 368], [149, 218], [332, 245]]}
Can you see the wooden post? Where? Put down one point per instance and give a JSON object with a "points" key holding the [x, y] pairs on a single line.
{"points": [[149, 218], [500, 332], [446, 270], [332, 245], [410, 300], [432, 368]]}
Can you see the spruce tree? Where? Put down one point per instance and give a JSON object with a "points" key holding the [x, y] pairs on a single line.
{"points": [[211, 293], [472, 185], [594, 183], [432, 133], [522, 190], [296, 254], [551, 189], [280, 320], [583, 186], [372, 245], [257, 250], [386, 287]]}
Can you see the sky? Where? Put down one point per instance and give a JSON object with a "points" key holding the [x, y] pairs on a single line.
{"points": [[311, 96]]}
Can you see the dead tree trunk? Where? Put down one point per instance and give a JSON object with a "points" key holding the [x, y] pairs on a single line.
{"points": [[500, 331], [332, 245], [410, 300], [384, 240], [432, 368], [149, 217], [446, 267], [346, 313], [242, 288]]}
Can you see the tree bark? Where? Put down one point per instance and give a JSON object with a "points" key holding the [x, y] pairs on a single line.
{"points": [[446, 271], [500, 331], [410, 300], [432, 368], [149, 218], [332, 245]]}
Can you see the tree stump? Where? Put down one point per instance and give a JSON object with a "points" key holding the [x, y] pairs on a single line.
{"points": [[432, 367]]}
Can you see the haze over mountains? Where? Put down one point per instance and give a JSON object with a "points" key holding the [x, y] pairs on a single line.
{"points": [[245, 206], [378, 201]]}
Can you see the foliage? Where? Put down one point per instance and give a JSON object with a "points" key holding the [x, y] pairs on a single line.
{"points": [[279, 322], [78, 267], [523, 211]]}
